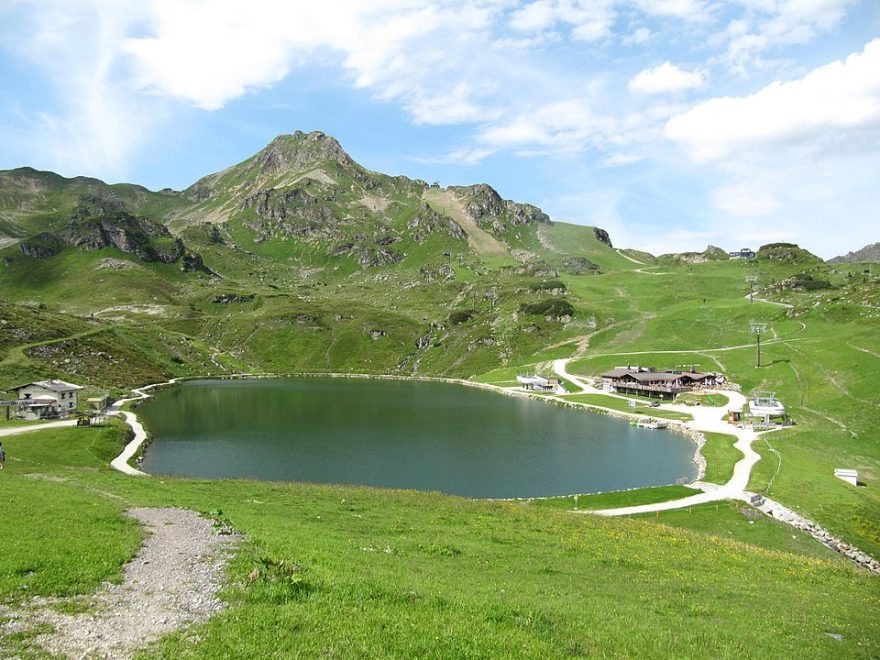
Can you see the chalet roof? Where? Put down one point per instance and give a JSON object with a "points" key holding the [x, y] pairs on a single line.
{"points": [[654, 376], [52, 385], [617, 372]]}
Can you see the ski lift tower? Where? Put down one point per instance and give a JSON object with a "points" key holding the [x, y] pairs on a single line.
{"points": [[758, 328], [751, 280]]}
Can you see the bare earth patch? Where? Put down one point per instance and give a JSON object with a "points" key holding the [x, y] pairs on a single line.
{"points": [[172, 582]]}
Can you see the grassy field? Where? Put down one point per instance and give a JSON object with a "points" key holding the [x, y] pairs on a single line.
{"points": [[395, 573], [612, 500], [720, 456], [623, 405]]}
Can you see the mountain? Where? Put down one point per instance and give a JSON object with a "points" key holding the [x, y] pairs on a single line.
{"points": [[297, 258], [868, 254], [300, 259]]}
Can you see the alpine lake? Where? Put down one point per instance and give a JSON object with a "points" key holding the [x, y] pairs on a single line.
{"points": [[402, 434]]}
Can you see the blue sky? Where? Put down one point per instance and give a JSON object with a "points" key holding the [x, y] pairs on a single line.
{"points": [[673, 124]]}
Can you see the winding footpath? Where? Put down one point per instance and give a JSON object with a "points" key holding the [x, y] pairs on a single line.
{"points": [[708, 419], [121, 462], [705, 419]]}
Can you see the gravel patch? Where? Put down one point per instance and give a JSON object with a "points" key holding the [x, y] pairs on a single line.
{"points": [[172, 582]]}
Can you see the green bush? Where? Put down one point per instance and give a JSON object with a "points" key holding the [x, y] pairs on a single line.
{"points": [[548, 285], [461, 316], [555, 307]]}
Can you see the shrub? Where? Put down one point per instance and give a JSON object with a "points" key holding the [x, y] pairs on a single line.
{"points": [[461, 316], [555, 307], [548, 285]]}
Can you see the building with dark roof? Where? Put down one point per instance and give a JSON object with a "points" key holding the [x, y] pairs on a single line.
{"points": [[662, 384]]}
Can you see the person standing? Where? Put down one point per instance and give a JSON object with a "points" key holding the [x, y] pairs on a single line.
{"points": [[2, 456]]}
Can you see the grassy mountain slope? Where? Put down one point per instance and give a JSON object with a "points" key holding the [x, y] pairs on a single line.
{"points": [[307, 261], [346, 571]]}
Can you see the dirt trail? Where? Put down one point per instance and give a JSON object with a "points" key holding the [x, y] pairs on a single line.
{"points": [[629, 258], [172, 582], [480, 240]]}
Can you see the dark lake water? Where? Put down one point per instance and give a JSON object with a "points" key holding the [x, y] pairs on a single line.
{"points": [[402, 434]]}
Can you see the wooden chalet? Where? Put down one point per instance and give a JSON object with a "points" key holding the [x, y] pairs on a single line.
{"points": [[661, 384]]}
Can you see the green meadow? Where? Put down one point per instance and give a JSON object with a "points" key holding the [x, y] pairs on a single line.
{"points": [[396, 573]]}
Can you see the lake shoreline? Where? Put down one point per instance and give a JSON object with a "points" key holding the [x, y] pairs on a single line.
{"points": [[141, 439]]}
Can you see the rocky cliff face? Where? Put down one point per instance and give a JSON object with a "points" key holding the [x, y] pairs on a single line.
{"points": [[99, 222], [41, 246], [498, 215], [294, 212], [428, 222]]}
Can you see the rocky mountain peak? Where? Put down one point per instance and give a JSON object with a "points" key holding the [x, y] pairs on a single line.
{"points": [[300, 151]]}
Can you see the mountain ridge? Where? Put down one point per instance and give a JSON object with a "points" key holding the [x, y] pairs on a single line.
{"points": [[869, 253]]}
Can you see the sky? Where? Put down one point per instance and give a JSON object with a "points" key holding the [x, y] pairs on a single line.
{"points": [[672, 124]]}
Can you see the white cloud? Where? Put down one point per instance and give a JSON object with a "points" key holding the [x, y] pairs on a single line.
{"points": [[664, 78], [745, 199], [693, 10], [773, 24], [535, 16], [91, 129], [465, 156], [640, 36], [589, 20], [563, 125], [621, 160], [823, 105], [455, 106], [211, 52]]}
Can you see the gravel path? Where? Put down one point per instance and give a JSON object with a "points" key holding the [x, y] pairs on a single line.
{"points": [[705, 418], [172, 582]]}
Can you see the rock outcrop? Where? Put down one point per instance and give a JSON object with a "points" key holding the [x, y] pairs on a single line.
{"points": [[98, 222], [498, 215]]}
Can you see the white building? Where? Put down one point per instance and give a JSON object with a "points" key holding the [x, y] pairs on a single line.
{"points": [[541, 384], [43, 399]]}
